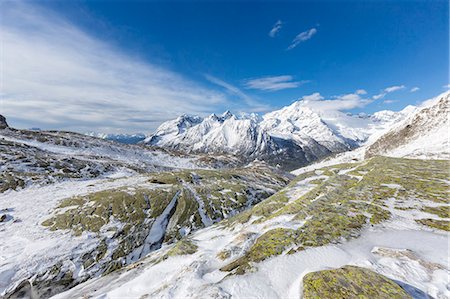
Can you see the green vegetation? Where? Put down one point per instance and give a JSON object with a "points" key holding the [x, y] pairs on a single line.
{"points": [[441, 211], [433, 223], [350, 282], [339, 206], [183, 247], [93, 211], [126, 214]]}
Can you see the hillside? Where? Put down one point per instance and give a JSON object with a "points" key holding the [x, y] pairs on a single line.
{"points": [[425, 133], [98, 205], [388, 215]]}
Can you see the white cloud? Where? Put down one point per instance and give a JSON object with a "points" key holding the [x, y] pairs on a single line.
{"points": [[54, 75], [301, 37], [276, 28], [253, 105], [313, 97], [414, 89], [394, 88], [446, 86], [388, 90], [337, 103], [389, 101], [379, 96], [361, 92], [273, 83]]}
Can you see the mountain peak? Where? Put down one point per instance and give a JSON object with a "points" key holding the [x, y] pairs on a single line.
{"points": [[227, 114]]}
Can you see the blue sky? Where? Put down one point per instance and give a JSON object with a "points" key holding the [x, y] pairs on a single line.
{"points": [[126, 66]]}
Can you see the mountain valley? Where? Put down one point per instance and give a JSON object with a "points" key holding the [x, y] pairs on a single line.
{"points": [[205, 207]]}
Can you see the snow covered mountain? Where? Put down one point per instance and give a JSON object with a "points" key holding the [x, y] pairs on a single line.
{"points": [[297, 133], [424, 133], [419, 132]]}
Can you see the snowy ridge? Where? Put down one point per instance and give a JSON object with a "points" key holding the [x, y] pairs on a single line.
{"points": [[424, 133], [418, 132]]}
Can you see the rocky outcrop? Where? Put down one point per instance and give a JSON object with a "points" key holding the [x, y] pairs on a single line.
{"points": [[350, 282], [3, 123]]}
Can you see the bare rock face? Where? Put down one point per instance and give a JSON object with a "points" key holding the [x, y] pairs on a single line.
{"points": [[3, 123]]}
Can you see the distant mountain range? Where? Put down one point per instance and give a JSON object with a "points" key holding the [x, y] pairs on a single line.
{"points": [[122, 138], [290, 137]]}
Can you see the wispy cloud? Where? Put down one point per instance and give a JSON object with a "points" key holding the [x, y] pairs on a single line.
{"points": [[394, 88], [379, 96], [388, 90], [276, 28], [337, 103], [273, 83], [414, 89], [446, 86], [389, 101], [301, 37], [253, 105], [56, 75]]}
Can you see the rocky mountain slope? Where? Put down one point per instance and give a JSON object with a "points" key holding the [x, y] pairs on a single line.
{"points": [[387, 216], [90, 228], [93, 206], [3, 123], [424, 133], [41, 157], [297, 133]]}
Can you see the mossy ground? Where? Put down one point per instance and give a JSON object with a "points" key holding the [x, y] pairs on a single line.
{"points": [[350, 282], [124, 216], [433, 223], [183, 247], [440, 211], [338, 207]]}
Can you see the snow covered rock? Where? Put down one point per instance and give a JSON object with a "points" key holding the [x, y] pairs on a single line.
{"points": [[424, 133]]}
